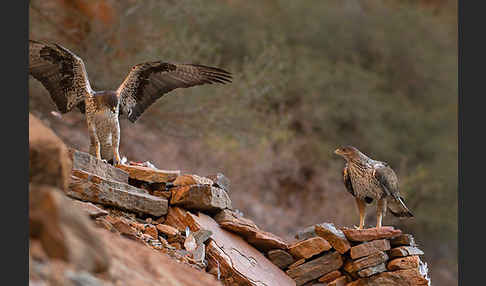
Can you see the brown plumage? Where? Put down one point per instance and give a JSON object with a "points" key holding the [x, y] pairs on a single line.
{"points": [[63, 74], [369, 180]]}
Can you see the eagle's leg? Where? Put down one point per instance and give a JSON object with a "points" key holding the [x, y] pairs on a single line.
{"points": [[380, 211], [94, 141], [362, 212], [115, 143]]}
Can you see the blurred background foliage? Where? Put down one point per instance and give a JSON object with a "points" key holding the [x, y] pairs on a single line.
{"points": [[308, 76]]}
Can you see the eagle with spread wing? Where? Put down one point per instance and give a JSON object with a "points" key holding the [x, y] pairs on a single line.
{"points": [[369, 180], [64, 76]]}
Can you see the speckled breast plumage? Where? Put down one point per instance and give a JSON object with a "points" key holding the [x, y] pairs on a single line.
{"points": [[103, 118], [364, 183]]}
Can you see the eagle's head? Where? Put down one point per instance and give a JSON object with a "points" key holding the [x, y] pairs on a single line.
{"points": [[348, 152]]}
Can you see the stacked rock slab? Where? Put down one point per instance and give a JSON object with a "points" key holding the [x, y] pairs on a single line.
{"points": [[352, 257], [161, 209]]}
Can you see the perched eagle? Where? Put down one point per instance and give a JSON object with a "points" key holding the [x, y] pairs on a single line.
{"points": [[63, 74], [368, 180]]}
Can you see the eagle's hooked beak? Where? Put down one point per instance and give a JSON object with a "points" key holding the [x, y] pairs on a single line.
{"points": [[338, 152]]}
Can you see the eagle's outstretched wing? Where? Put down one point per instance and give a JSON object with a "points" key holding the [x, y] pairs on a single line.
{"points": [[61, 72], [147, 82]]}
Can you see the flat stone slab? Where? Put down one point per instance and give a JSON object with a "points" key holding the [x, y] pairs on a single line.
{"points": [[309, 247], [266, 241], [246, 228], [334, 236], [316, 268], [340, 281], [232, 221], [239, 263], [403, 251], [188, 179], [85, 162], [367, 272], [100, 191], [168, 230], [330, 276], [365, 262], [204, 198], [402, 263], [367, 248], [393, 278], [297, 263], [370, 233], [150, 175], [281, 258], [403, 239]]}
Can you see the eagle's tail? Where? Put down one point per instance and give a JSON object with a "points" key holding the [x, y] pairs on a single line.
{"points": [[398, 208]]}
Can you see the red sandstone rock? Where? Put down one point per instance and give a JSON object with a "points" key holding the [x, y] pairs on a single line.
{"points": [[176, 218], [340, 281], [64, 231], [87, 163], [238, 261], [297, 263], [151, 230], [402, 251], [49, 161], [309, 247], [403, 239], [187, 180], [167, 230], [367, 272], [148, 174], [365, 262], [200, 198], [266, 241], [370, 233], [124, 196], [406, 277], [232, 221], [334, 236], [330, 276], [246, 228], [367, 248], [280, 257], [316, 268], [402, 263]]}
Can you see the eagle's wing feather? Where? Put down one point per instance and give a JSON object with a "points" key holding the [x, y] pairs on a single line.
{"points": [[387, 179], [389, 182], [61, 72], [347, 181], [147, 82]]}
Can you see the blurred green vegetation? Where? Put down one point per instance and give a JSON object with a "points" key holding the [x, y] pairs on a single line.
{"points": [[308, 76]]}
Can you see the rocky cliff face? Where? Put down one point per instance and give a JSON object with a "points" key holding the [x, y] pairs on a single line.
{"points": [[95, 224]]}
